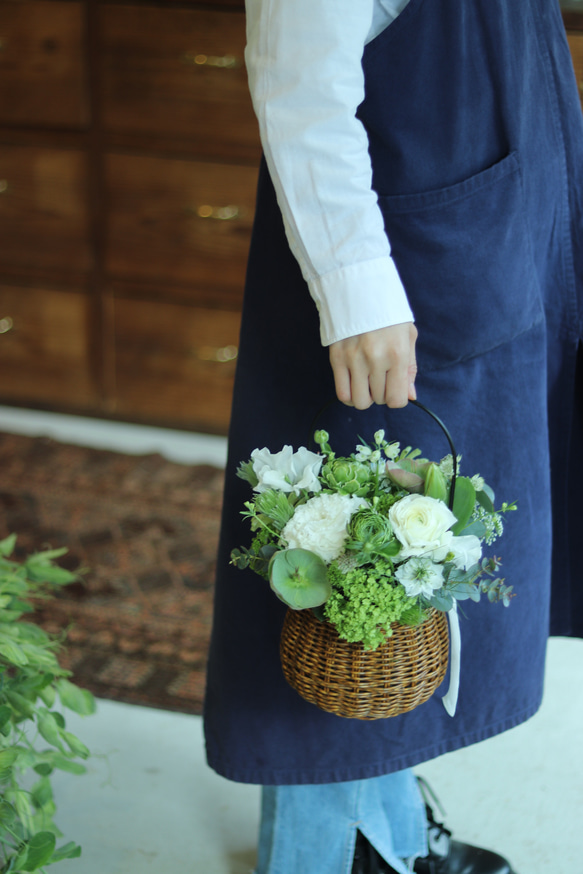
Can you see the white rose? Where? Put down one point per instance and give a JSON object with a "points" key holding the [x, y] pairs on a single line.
{"points": [[420, 576], [287, 471], [467, 551], [320, 524], [421, 524]]}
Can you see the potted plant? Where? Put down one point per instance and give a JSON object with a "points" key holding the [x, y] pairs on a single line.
{"points": [[34, 691]]}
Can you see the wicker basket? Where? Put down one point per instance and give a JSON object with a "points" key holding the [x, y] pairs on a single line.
{"points": [[343, 678]]}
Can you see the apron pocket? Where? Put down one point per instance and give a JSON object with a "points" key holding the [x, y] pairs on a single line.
{"points": [[464, 256]]}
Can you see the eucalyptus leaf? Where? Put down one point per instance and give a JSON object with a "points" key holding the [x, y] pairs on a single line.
{"points": [[441, 601]]}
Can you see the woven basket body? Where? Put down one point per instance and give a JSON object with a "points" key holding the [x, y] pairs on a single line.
{"points": [[343, 678]]}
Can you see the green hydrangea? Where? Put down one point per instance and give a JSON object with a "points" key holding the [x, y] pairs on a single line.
{"points": [[364, 602]]}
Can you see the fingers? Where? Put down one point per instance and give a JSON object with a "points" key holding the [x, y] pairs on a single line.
{"points": [[376, 367]]}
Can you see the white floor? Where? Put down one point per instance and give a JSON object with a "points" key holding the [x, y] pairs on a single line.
{"points": [[150, 804]]}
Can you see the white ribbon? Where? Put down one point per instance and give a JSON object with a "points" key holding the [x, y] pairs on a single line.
{"points": [[450, 698]]}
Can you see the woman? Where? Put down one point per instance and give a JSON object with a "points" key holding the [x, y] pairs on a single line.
{"points": [[425, 158]]}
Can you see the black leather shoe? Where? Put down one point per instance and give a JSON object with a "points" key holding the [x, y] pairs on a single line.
{"points": [[367, 860], [447, 856]]}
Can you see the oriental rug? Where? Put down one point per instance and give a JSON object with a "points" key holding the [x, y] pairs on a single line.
{"points": [[143, 531]]}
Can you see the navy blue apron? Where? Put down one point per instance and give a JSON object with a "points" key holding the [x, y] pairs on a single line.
{"points": [[476, 138]]}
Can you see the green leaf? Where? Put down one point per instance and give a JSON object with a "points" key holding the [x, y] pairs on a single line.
{"points": [[5, 715], [40, 849], [21, 704], [13, 653], [67, 851], [7, 812], [7, 545], [478, 528], [42, 792], [58, 576], [49, 728], [441, 601], [64, 764], [44, 769], [435, 484], [48, 695], [79, 700], [299, 578], [485, 501], [464, 503], [75, 745]]}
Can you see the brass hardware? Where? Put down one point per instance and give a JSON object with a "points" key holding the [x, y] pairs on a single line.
{"points": [[6, 324], [3, 185], [221, 354], [225, 62], [221, 213]]}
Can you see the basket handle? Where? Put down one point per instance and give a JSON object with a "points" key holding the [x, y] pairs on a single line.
{"points": [[429, 413]]}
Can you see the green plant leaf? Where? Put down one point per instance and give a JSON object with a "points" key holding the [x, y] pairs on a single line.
{"points": [[40, 847], [13, 653], [75, 745], [48, 695], [43, 768], [5, 715], [64, 764], [7, 812], [49, 728], [42, 792], [464, 503], [67, 851], [7, 545], [79, 700], [485, 501]]}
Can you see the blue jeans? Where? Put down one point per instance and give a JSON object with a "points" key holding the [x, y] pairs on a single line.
{"points": [[312, 829]]}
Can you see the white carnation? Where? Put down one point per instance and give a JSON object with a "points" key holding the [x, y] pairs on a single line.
{"points": [[287, 471], [320, 524]]}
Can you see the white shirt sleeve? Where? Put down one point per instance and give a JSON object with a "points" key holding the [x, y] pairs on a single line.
{"points": [[304, 62]]}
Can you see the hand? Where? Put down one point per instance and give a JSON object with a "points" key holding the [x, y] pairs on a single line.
{"points": [[377, 367]]}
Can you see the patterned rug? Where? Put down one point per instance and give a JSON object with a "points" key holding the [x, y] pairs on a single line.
{"points": [[146, 530]]}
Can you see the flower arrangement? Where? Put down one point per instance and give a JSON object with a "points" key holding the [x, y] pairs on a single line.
{"points": [[368, 540]]}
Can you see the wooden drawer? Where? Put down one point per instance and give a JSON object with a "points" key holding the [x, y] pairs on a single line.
{"points": [[576, 46], [186, 222], [174, 363], [42, 71], [178, 72], [43, 214], [44, 354]]}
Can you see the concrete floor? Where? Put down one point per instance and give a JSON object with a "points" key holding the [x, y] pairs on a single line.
{"points": [[150, 804]]}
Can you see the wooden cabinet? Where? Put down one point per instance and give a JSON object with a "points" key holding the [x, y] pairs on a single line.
{"points": [[128, 165]]}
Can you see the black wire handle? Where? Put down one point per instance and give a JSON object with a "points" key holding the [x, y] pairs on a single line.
{"points": [[429, 413]]}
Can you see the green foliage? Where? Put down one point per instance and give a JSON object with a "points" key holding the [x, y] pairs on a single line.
{"points": [[463, 503], [364, 602], [33, 735]]}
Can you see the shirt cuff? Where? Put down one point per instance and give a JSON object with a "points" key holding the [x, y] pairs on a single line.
{"points": [[359, 298]]}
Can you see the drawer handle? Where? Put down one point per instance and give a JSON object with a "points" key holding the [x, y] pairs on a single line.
{"points": [[6, 324], [220, 213], [221, 354], [223, 62]]}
